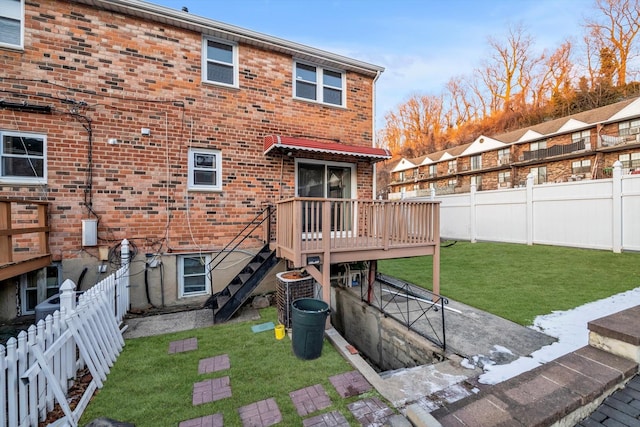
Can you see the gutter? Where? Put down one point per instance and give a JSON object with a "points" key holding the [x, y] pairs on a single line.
{"points": [[374, 189]]}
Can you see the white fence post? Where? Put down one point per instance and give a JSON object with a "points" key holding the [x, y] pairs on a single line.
{"points": [[529, 219], [67, 295], [616, 208], [472, 213]]}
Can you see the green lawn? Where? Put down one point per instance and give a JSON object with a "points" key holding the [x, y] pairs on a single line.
{"points": [[519, 282], [150, 387]]}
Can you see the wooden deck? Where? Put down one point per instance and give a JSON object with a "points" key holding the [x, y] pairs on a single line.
{"points": [[312, 232], [24, 237], [358, 230]]}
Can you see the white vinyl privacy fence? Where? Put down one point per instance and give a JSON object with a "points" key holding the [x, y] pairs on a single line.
{"points": [[596, 214], [38, 368]]}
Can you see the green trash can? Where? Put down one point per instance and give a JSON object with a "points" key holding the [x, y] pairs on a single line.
{"points": [[308, 321]]}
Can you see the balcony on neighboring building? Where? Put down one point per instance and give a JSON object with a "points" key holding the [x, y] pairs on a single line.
{"points": [[556, 150]]}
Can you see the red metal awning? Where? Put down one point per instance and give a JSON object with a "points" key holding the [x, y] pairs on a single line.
{"points": [[273, 142]]}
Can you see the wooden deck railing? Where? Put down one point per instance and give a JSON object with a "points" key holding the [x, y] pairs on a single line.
{"points": [[355, 230], [24, 237]]}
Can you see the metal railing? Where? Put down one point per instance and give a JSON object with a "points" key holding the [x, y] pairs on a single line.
{"points": [[556, 150], [420, 310], [262, 218]]}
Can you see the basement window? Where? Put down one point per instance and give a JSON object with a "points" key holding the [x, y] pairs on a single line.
{"points": [[12, 23], [23, 158], [193, 275]]}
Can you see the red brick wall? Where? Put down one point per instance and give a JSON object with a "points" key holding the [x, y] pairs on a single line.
{"points": [[129, 71]]}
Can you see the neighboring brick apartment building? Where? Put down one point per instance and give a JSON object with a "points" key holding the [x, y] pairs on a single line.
{"points": [[171, 130], [581, 146]]}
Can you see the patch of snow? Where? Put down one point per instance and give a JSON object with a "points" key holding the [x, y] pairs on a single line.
{"points": [[465, 363], [569, 327], [501, 349]]}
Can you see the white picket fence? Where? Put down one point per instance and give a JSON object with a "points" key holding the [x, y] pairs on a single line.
{"points": [[38, 368]]}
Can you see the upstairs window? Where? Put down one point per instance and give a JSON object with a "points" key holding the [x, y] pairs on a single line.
{"points": [[504, 156], [220, 62], [318, 84], [452, 166], [11, 23], [476, 162], [205, 170], [433, 171], [631, 127], [584, 137], [539, 145], [23, 158]]}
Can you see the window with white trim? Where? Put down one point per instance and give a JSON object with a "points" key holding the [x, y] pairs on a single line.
{"points": [[581, 166], [433, 171], [630, 160], [23, 158], [205, 169], [318, 84], [504, 179], [538, 145], [193, 275], [539, 175], [219, 62], [452, 166], [504, 156], [477, 181], [476, 162], [583, 136], [12, 23], [631, 127], [36, 286]]}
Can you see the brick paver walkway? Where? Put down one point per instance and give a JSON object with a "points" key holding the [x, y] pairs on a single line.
{"points": [[350, 383], [370, 411], [214, 364], [310, 399], [214, 420], [211, 390], [330, 419], [260, 414], [183, 345]]}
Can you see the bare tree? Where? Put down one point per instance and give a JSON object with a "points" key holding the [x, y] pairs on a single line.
{"points": [[614, 32], [509, 65]]}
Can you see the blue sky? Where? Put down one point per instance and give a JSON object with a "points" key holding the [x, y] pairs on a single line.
{"points": [[421, 43]]}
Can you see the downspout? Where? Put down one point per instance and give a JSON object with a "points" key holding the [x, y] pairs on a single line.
{"points": [[374, 189]]}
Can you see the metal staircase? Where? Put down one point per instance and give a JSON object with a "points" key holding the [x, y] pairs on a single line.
{"points": [[227, 302], [231, 298]]}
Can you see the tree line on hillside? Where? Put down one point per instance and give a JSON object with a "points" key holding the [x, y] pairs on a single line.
{"points": [[515, 87]]}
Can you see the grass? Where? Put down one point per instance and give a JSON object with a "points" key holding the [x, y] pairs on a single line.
{"points": [[519, 282], [149, 387]]}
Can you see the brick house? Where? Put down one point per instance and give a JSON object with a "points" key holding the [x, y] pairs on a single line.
{"points": [[581, 146], [129, 120]]}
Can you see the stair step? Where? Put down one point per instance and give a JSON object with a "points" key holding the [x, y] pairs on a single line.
{"points": [[244, 277], [254, 266], [222, 300], [233, 288]]}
